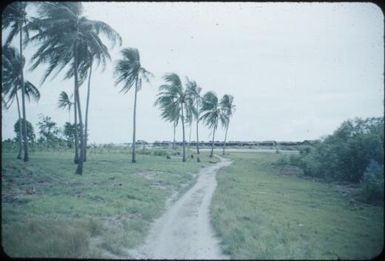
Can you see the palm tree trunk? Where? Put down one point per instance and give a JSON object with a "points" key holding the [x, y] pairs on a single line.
{"points": [[79, 169], [197, 106], [198, 159], [212, 144], [189, 139], [224, 143], [134, 125], [20, 128], [173, 141], [197, 136], [183, 143], [76, 134], [86, 120], [26, 157]]}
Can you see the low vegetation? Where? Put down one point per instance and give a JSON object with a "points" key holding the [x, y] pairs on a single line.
{"points": [[49, 212], [261, 210], [354, 153]]}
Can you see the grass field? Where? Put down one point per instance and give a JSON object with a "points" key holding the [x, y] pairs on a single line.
{"points": [[260, 214], [47, 211]]}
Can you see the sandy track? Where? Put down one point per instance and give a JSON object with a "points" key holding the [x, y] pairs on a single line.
{"points": [[184, 230]]}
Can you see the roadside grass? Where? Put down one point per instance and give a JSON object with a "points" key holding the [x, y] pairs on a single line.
{"points": [[48, 211], [260, 214]]}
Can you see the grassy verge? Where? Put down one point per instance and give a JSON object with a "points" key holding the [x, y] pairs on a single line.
{"points": [[47, 211], [260, 214]]}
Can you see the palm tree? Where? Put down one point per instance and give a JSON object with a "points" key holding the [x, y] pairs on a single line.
{"points": [[14, 17], [194, 101], [212, 114], [130, 72], [66, 37], [173, 98], [170, 111], [228, 109], [11, 78], [65, 102]]}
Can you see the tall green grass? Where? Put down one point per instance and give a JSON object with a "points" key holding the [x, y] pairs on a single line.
{"points": [[48, 211], [260, 214]]}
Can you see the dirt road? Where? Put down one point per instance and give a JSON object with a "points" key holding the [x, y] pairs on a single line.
{"points": [[184, 230]]}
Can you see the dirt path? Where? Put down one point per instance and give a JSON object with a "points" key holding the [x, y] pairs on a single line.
{"points": [[184, 230]]}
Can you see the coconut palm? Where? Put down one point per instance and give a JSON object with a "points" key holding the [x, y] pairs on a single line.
{"points": [[67, 38], [15, 17], [130, 73], [228, 109], [173, 99], [170, 111], [93, 57], [11, 77], [212, 114], [66, 102], [194, 101]]}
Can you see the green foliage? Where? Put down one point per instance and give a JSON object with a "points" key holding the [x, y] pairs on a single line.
{"points": [[69, 133], [372, 183], [30, 131], [129, 71], [11, 76], [61, 27], [159, 153], [344, 155], [48, 131]]}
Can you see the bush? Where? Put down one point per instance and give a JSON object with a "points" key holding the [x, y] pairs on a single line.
{"points": [[372, 183], [159, 153], [345, 155]]}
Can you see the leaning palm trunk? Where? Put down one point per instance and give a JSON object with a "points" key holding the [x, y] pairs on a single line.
{"points": [[173, 141], [197, 130], [224, 142], [79, 169], [86, 119], [183, 143], [76, 134], [212, 143], [134, 125], [26, 157], [198, 159], [20, 128]]}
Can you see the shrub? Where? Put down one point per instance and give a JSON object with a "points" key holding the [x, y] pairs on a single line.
{"points": [[372, 183], [159, 153], [345, 155]]}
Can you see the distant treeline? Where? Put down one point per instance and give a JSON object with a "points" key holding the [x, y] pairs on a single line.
{"points": [[217, 143], [239, 143]]}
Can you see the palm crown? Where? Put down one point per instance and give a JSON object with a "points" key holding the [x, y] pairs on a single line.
{"points": [[60, 29], [11, 77], [227, 108], [13, 17], [129, 71], [212, 112]]}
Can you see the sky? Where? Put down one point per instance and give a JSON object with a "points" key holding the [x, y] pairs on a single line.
{"points": [[296, 70]]}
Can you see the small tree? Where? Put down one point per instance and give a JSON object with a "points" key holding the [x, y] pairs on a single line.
{"points": [[69, 133], [30, 132], [48, 131]]}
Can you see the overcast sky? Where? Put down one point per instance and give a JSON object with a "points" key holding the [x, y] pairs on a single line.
{"points": [[296, 70]]}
